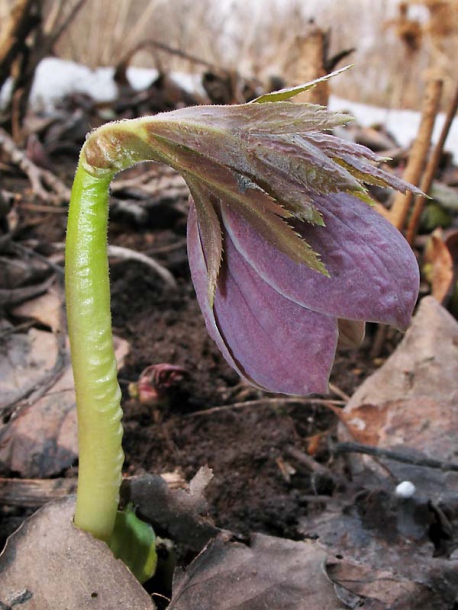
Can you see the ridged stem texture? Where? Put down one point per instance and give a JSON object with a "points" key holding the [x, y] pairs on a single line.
{"points": [[98, 394]]}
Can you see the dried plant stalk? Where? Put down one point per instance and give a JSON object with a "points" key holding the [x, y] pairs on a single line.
{"points": [[419, 152], [431, 171], [310, 66]]}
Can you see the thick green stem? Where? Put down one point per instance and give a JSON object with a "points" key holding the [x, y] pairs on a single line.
{"points": [[93, 358], [107, 151]]}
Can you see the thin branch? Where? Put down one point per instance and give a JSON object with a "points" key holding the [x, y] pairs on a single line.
{"points": [[14, 296], [273, 403], [308, 462], [38, 177], [396, 456], [33, 492], [127, 254], [338, 392]]}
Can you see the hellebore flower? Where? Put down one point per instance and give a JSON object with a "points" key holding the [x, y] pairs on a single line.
{"points": [[286, 253], [277, 321]]}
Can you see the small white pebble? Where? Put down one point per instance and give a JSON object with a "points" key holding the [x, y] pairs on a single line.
{"points": [[406, 489]]}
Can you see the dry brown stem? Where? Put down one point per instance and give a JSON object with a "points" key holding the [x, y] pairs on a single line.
{"points": [[25, 42], [419, 153], [310, 65], [13, 36], [272, 403], [381, 452], [34, 492], [430, 171]]}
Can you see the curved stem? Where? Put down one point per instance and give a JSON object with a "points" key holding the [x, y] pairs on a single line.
{"points": [[94, 364]]}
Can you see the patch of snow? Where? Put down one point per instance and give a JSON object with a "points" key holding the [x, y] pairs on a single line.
{"points": [[56, 78], [402, 124]]}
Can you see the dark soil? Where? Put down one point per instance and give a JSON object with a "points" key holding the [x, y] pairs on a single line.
{"points": [[257, 486]]}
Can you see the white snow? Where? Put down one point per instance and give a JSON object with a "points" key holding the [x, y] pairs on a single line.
{"points": [[56, 77], [403, 124]]}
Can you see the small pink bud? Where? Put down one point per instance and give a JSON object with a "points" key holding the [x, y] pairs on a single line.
{"points": [[155, 383]]}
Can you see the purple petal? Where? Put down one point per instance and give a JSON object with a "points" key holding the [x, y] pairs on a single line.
{"points": [[275, 343], [374, 273], [199, 273]]}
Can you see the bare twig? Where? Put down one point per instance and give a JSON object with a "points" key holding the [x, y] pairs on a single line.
{"points": [[127, 254], [308, 462], [39, 178], [273, 403], [170, 248], [25, 43], [58, 22], [15, 247], [48, 209], [154, 44], [396, 456], [33, 492], [154, 183], [338, 392]]}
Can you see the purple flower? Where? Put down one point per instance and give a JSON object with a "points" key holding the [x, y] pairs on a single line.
{"points": [[287, 256], [277, 321]]}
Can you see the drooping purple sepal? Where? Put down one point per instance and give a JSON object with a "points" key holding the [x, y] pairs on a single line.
{"points": [[273, 342], [373, 274]]}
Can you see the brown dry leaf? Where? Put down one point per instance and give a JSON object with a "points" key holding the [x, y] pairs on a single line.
{"points": [[361, 586], [314, 443], [40, 440], [410, 403], [46, 309], [270, 573], [380, 554], [389, 425], [48, 564], [439, 266], [425, 365], [25, 361], [16, 272]]}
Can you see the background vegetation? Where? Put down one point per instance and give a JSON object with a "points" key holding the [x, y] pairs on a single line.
{"points": [[261, 39]]}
